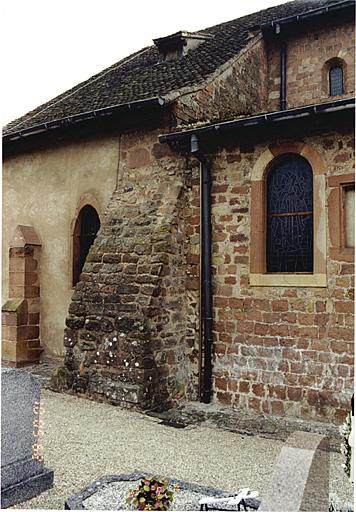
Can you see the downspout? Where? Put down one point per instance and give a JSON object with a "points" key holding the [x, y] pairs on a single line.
{"points": [[283, 64], [283, 71], [206, 291]]}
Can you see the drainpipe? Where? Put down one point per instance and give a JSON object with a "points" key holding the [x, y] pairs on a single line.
{"points": [[283, 71], [206, 292]]}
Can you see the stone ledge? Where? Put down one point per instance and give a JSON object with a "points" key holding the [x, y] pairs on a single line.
{"points": [[247, 422], [289, 280]]}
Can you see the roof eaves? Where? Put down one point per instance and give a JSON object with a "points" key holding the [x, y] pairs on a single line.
{"points": [[261, 120], [309, 14], [155, 101]]}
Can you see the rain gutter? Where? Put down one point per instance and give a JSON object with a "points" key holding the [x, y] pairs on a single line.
{"points": [[262, 120], [65, 122]]}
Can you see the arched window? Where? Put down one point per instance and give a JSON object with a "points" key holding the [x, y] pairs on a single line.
{"points": [[289, 246], [86, 227], [336, 81]]}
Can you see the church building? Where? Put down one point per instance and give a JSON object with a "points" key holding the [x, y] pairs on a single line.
{"points": [[181, 225]]}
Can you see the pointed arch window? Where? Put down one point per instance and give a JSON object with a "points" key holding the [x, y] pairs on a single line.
{"points": [[86, 228], [289, 241]]}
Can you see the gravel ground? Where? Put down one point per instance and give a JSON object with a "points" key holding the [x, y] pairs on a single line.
{"points": [[86, 440]]}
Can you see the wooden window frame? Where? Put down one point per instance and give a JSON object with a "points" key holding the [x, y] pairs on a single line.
{"points": [[337, 218]]}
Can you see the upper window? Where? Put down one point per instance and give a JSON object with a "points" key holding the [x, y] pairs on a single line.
{"points": [[86, 227], [289, 246], [336, 81]]}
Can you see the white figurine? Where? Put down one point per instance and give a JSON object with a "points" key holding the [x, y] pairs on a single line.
{"points": [[230, 501]]}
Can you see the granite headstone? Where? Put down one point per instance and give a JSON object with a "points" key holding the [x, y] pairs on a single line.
{"points": [[300, 481], [22, 476]]}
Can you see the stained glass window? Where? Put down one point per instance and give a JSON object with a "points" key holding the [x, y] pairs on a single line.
{"points": [[290, 216], [336, 78]]}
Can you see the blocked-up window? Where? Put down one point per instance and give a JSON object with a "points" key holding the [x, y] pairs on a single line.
{"points": [[289, 244]]}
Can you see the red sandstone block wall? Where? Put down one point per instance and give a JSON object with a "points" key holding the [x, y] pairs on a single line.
{"points": [[306, 55], [280, 350]]}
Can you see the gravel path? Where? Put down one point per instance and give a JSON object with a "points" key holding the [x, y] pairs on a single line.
{"points": [[85, 440]]}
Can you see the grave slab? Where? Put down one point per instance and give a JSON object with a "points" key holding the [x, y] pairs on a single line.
{"points": [[107, 494]]}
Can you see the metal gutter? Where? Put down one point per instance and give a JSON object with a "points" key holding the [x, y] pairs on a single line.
{"points": [[84, 116], [276, 24], [262, 120]]}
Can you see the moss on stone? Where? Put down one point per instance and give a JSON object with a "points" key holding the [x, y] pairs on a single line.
{"points": [[12, 305]]}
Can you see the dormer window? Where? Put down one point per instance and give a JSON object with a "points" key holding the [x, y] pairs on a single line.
{"points": [[177, 45], [336, 81]]}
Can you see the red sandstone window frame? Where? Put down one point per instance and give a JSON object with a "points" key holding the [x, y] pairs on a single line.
{"points": [[336, 217], [258, 273]]}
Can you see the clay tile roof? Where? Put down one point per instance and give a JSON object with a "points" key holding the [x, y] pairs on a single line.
{"points": [[142, 75]]}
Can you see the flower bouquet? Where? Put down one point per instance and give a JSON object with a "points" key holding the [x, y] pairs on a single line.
{"points": [[152, 493]]}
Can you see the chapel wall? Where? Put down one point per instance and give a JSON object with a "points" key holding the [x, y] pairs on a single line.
{"points": [[307, 53], [43, 189], [280, 350]]}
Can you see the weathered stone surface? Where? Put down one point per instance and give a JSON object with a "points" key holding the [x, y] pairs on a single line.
{"points": [[74, 322], [125, 361]]}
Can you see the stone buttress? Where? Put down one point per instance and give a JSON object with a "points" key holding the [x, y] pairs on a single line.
{"points": [[125, 331]]}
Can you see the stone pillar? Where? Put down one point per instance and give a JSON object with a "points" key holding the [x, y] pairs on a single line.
{"points": [[21, 313]]}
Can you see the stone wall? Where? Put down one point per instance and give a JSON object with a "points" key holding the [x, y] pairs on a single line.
{"points": [[307, 53], [127, 323], [237, 89], [280, 350]]}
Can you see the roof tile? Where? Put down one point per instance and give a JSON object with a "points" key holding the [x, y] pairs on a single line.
{"points": [[142, 75]]}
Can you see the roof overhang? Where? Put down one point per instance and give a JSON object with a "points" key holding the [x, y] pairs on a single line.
{"points": [[80, 124], [296, 121], [286, 24]]}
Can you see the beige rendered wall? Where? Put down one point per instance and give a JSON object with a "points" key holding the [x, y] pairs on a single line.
{"points": [[43, 189]]}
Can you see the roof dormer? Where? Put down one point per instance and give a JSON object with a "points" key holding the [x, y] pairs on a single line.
{"points": [[177, 45]]}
